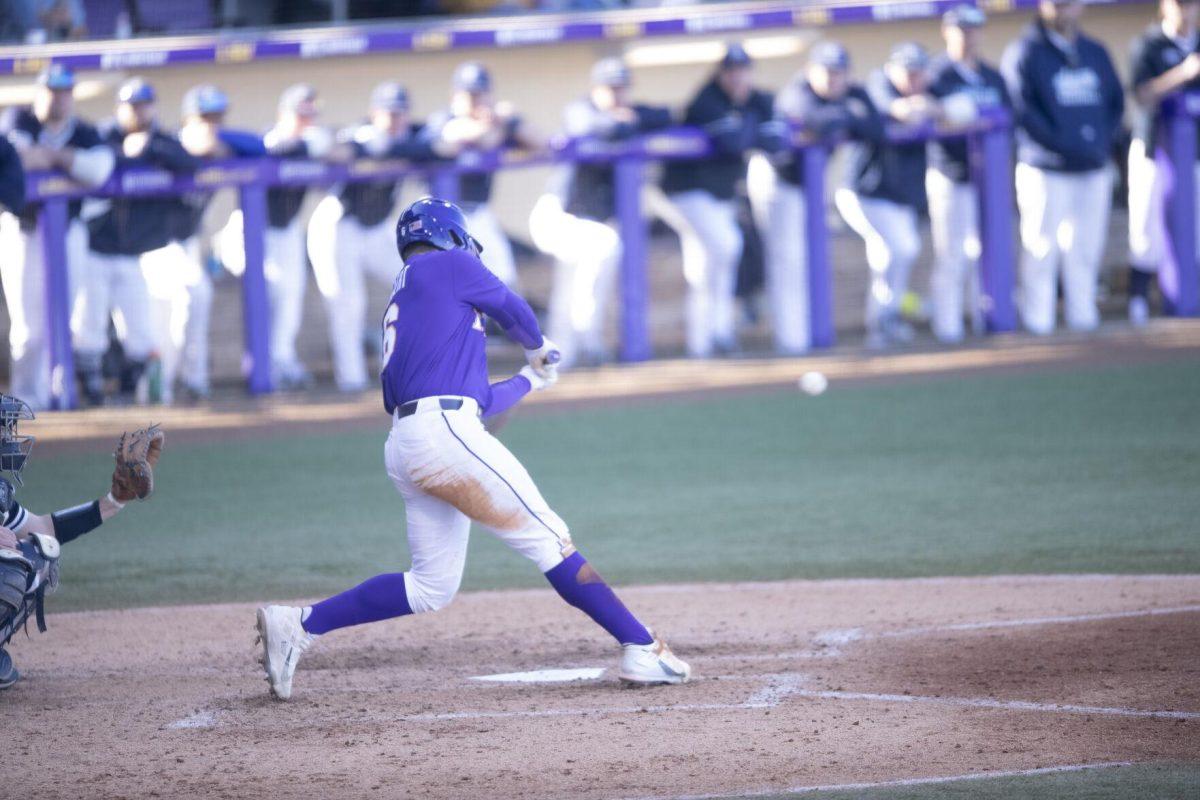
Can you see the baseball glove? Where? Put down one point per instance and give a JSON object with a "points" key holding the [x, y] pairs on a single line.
{"points": [[136, 456]]}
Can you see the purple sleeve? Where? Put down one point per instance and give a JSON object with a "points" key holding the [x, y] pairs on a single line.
{"points": [[506, 394], [474, 284]]}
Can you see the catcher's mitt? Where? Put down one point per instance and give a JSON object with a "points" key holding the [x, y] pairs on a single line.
{"points": [[137, 454]]}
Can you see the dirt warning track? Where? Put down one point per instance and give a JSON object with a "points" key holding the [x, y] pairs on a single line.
{"points": [[798, 684]]}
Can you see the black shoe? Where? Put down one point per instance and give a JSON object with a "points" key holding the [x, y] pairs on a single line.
{"points": [[8, 672]]}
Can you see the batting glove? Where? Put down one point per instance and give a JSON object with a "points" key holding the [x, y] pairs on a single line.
{"points": [[537, 382], [544, 359]]}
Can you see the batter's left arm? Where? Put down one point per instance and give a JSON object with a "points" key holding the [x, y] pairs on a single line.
{"points": [[479, 288]]}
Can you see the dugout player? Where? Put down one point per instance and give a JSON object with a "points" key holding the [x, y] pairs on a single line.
{"points": [[1165, 59], [126, 244], [29, 543], [731, 111], [574, 224], [183, 333], [350, 234], [824, 102], [12, 179], [47, 135], [966, 86], [477, 122], [448, 468], [1068, 104], [886, 193]]}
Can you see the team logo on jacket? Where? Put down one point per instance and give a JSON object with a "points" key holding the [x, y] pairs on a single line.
{"points": [[1077, 87]]}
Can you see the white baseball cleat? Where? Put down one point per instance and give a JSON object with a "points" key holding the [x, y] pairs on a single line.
{"points": [[650, 664], [284, 640]]}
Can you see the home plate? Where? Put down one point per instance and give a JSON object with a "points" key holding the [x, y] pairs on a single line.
{"points": [[545, 676]]}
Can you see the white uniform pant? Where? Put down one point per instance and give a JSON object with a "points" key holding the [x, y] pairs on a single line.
{"points": [[893, 243], [180, 302], [286, 274], [114, 286], [712, 246], [779, 213], [23, 272], [954, 225], [343, 252], [586, 254], [497, 253], [1148, 191], [1064, 215], [451, 471]]}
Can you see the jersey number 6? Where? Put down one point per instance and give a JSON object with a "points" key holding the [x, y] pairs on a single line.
{"points": [[389, 333]]}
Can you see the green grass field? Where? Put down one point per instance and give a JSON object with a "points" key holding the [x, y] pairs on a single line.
{"points": [[1158, 781], [1088, 470]]}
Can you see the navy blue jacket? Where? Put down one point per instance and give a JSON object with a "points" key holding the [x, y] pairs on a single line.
{"points": [[135, 225], [189, 212], [77, 133], [591, 190], [734, 130], [880, 169], [985, 87], [371, 202], [1068, 104], [852, 116], [474, 188], [1153, 54], [12, 178]]}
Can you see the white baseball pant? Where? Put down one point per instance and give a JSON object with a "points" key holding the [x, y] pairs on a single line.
{"points": [[586, 254], [286, 275], [343, 252], [711, 242], [497, 253], [113, 286], [1064, 216], [779, 213], [1148, 191], [193, 360], [893, 244], [954, 226], [450, 471], [23, 273], [180, 302]]}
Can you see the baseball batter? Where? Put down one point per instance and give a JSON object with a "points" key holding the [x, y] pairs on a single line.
{"points": [[1166, 59], [1068, 104], [447, 467], [965, 85], [29, 543]]}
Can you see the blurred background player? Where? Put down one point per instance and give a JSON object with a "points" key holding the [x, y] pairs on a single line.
{"points": [[184, 342], [823, 101], [476, 121], [125, 243], [1068, 104], [47, 135], [351, 233], [731, 111], [296, 135], [886, 195], [966, 86], [1164, 60], [574, 223], [12, 179]]}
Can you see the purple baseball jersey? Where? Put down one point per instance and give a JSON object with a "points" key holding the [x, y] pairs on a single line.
{"points": [[433, 333]]}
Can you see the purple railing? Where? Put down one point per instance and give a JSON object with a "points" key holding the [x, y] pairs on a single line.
{"points": [[1179, 277], [989, 138]]}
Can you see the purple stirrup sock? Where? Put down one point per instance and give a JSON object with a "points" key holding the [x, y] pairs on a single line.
{"points": [[381, 597], [581, 586]]}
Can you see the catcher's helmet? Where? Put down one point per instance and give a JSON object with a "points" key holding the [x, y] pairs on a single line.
{"points": [[14, 449], [437, 223]]}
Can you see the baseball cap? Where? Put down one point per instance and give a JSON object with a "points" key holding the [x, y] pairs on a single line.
{"points": [[964, 16], [204, 99], [829, 54], [136, 90], [296, 98], [909, 55], [472, 77], [610, 72], [389, 96], [57, 77], [735, 56]]}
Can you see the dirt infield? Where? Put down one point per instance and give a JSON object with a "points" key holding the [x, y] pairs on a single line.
{"points": [[798, 684]]}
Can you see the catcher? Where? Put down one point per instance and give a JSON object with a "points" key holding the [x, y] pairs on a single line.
{"points": [[29, 544]]}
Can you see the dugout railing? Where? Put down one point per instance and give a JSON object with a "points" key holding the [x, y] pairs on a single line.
{"points": [[990, 147]]}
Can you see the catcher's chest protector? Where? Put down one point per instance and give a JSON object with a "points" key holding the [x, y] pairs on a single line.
{"points": [[25, 578]]}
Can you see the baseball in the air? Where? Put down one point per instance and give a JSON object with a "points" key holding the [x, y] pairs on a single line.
{"points": [[813, 383]]}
